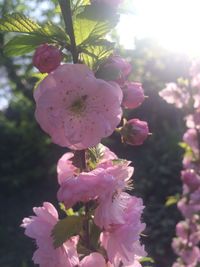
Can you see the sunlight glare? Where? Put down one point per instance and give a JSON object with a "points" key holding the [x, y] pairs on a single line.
{"points": [[173, 23]]}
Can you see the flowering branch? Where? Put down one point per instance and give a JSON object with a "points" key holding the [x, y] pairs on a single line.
{"points": [[67, 16]]}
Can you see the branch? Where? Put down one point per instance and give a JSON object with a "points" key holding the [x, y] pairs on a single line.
{"points": [[67, 16]]}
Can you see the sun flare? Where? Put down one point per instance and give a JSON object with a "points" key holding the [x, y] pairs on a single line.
{"points": [[173, 23]]}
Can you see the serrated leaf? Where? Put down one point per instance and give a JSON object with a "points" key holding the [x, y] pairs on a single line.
{"points": [[96, 52], [54, 32], [23, 44], [88, 28], [65, 229], [18, 23], [34, 34], [93, 156]]}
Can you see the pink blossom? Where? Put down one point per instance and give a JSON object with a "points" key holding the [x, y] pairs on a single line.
{"points": [[47, 58], [133, 95], [117, 240], [39, 227], [196, 81], [93, 259], [76, 109], [191, 139], [191, 256], [191, 179], [135, 132], [193, 121], [65, 167], [115, 64], [182, 230], [172, 94], [190, 206], [102, 185]]}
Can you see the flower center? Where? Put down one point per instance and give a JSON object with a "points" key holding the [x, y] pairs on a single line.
{"points": [[78, 105]]}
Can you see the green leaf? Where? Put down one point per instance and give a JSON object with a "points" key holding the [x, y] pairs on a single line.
{"points": [[40, 77], [88, 26], [95, 232], [96, 52], [171, 200], [34, 34], [93, 156], [65, 229], [147, 259], [18, 23], [23, 44], [54, 32]]}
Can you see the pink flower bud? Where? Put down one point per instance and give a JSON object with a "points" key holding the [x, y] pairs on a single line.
{"points": [[134, 132], [47, 58], [133, 95], [116, 69]]}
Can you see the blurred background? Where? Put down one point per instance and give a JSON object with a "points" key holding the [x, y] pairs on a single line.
{"points": [[159, 39]]}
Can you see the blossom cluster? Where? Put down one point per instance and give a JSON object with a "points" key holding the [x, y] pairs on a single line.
{"points": [[186, 243], [78, 107]]}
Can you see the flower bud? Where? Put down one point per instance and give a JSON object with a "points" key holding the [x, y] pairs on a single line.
{"points": [[134, 132], [133, 95], [114, 69], [47, 58]]}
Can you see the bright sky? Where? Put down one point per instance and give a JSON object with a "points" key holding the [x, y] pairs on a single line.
{"points": [[175, 24]]}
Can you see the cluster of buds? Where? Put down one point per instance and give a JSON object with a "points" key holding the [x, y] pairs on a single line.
{"points": [[187, 240], [133, 132]]}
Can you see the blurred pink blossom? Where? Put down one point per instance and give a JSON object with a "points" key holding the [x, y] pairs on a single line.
{"points": [[172, 94]]}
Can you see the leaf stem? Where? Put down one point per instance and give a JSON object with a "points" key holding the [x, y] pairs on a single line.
{"points": [[65, 6]]}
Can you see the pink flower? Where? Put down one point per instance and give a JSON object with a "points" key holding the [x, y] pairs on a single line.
{"points": [[103, 184], [191, 139], [76, 109], [190, 206], [182, 230], [193, 121], [65, 167], [122, 241], [117, 65], [39, 227], [172, 94], [191, 256], [93, 259], [134, 132], [133, 95], [191, 179], [47, 58]]}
